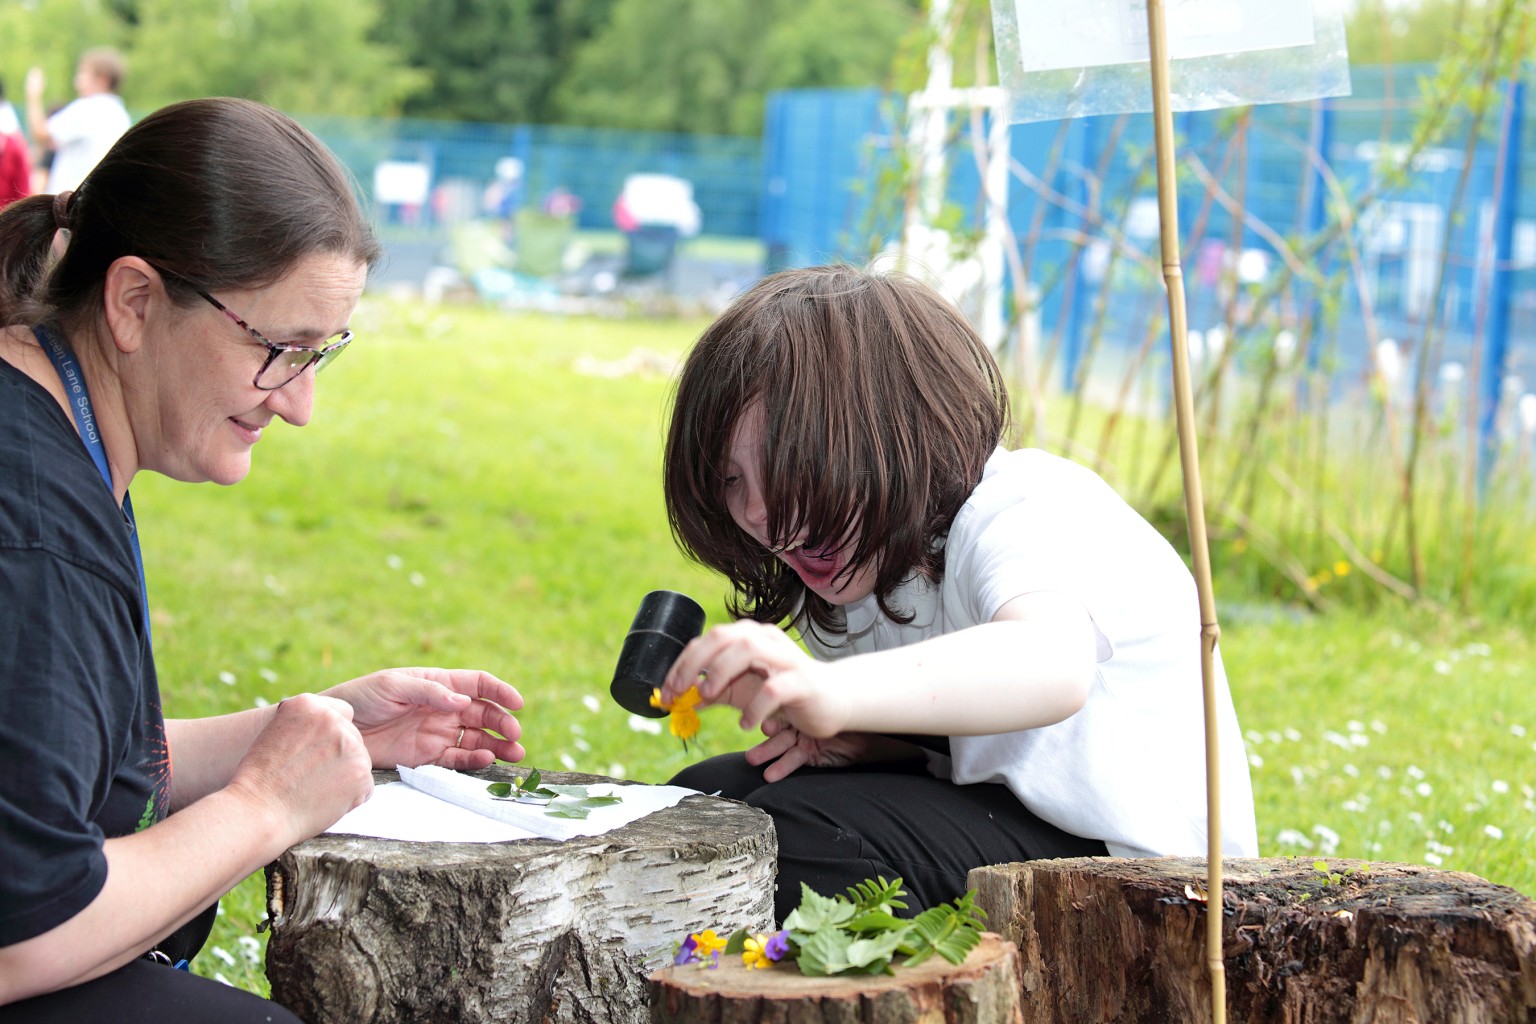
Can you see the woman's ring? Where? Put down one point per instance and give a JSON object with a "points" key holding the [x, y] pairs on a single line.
{"points": [[460, 741], [704, 673]]}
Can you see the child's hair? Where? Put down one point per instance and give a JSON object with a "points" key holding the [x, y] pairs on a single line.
{"points": [[880, 407]]}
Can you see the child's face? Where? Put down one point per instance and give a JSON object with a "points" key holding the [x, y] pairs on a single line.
{"points": [[817, 569]]}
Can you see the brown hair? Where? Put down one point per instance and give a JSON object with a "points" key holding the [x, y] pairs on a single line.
{"points": [[106, 64], [222, 193], [880, 408]]}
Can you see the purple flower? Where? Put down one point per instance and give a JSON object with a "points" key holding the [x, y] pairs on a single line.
{"points": [[778, 945], [687, 952]]}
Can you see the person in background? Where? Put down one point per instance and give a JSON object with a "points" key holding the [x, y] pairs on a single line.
{"points": [[81, 132], [210, 270], [10, 124], [1004, 657], [15, 155]]}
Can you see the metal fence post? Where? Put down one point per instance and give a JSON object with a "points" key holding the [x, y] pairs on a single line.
{"points": [[1501, 278]]}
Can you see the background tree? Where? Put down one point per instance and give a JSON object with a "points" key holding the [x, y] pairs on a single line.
{"points": [[488, 60], [707, 65], [51, 34], [297, 55], [1384, 32]]}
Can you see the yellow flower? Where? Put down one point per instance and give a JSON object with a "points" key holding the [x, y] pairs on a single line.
{"points": [[707, 943], [685, 719], [1240, 545], [1341, 568], [755, 952]]}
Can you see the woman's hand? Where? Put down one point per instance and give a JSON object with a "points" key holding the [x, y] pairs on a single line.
{"points": [[759, 670], [309, 765], [415, 716]]}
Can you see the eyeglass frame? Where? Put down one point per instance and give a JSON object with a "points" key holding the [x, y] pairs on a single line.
{"points": [[320, 358]]}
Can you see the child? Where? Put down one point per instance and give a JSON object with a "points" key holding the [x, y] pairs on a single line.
{"points": [[1006, 656]]}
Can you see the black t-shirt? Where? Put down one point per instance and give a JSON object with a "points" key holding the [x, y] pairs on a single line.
{"points": [[83, 754]]}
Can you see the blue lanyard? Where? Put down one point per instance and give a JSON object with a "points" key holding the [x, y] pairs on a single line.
{"points": [[85, 419]]}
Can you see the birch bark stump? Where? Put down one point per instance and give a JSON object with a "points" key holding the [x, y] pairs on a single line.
{"points": [[983, 990], [1102, 939], [372, 930]]}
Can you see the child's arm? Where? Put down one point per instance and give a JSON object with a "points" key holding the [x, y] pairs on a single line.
{"points": [[1030, 666]]}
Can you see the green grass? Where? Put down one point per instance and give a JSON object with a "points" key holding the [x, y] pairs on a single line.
{"points": [[468, 495]]}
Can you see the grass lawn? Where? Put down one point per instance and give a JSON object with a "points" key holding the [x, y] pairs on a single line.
{"points": [[482, 490]]}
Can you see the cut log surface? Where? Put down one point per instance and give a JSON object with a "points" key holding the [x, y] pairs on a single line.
{"points": [[983, 990], [1104, 939], [373, 930]]}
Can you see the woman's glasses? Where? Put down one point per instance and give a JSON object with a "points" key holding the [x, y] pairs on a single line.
{"points": [[284, 362]]}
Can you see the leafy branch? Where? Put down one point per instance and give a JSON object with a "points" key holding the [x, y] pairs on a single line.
{"points": [[558, 801], [860, 934]]}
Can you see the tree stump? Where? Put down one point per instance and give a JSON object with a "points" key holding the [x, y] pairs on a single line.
{"points": [[374, 930], [983, 990], [1103, 939]]}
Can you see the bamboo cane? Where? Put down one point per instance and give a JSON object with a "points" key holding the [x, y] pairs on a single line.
{"points": [[1194, 499]]}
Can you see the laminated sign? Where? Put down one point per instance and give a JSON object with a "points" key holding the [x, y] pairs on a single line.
{"points": [[1070, 58]]}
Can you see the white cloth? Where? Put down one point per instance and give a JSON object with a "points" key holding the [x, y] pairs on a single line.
{"points": [[82, 132], [10, 124], [1129, 767]]}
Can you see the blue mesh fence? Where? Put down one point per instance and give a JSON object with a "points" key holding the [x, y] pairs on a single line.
{"points": [[458, 162], [833, 190]]}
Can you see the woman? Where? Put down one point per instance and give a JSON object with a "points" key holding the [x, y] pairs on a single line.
{"points": [[122, 352], [1007, 656]]}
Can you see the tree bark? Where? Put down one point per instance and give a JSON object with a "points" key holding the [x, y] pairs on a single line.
{"points": [[373, 930], [1104, 939], [983, 990]]}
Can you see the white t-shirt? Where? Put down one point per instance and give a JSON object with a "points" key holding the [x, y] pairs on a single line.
{"points": [[82, 132], [1129, 767]]}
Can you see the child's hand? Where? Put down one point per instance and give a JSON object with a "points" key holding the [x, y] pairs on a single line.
{"points": [[758, 669], [789, 749]]}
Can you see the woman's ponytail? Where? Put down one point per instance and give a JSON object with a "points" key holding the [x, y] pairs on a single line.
{"points": [[26, 242]]}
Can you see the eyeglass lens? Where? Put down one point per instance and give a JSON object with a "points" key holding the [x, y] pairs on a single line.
{"points": [[290, 363]]}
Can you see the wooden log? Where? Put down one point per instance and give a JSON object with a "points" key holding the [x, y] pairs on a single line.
{"points": [[373, 930], [1103, 939], [983, 990]]}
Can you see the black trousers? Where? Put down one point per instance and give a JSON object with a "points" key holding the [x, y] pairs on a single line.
{"points": [[839, 826], [144, 992]]}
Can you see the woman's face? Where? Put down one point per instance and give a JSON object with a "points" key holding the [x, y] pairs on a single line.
{"points": [[818, 569], [195, 408]]}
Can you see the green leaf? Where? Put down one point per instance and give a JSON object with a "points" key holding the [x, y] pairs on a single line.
{"points": [[737, 942], [576, 810], [825, 952], [876, 921], [502, 789], [877, 895], [873, 955], [817, 911], [532, 781], [950, 930]]}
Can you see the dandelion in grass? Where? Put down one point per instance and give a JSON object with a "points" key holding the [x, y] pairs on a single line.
{"points": [[1293, 837], [1341, 568], [1493, 832], [591, 703], [1500, 786], [648, 725], [1327, 839]]}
